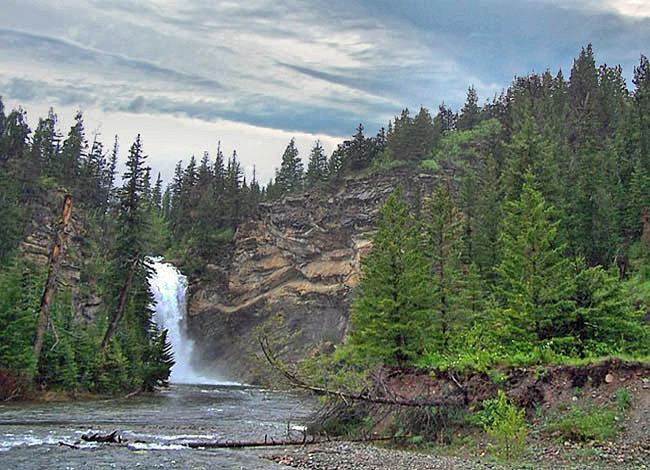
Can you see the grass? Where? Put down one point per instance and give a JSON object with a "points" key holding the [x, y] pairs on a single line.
{"points": [[430, 164], [585, 425], [623, 399]]}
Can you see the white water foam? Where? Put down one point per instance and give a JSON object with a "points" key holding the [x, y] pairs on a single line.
{"points": [[169, 288], [154, 446]]}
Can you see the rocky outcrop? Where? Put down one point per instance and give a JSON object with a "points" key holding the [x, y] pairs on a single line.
{"points": [[36, 245], [291, 273]]}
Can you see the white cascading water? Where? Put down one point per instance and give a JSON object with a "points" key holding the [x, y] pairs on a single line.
{"points": [[169, 286]]}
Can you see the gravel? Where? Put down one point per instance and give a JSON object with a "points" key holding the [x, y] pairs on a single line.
{"points": [[358, 456]]}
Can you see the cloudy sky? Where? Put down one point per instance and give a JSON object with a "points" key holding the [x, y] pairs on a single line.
{"points": [[253, 74]]}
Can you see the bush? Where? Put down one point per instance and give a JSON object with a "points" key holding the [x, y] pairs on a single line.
{"points": [[623, 399], [583, 425], [430, 164], [505, 423]]}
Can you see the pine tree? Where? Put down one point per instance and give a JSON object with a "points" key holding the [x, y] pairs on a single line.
{"points": [[75, 148], [605, 321], [289, 177], [317, 166], [389, 317], [446, 119], [336, 164], [46, 143], [156, 196], [535, 280], [641, 82], [470, 114], [424, 136], [232, 199], [443, 249], [359, 151], [130, 247]]}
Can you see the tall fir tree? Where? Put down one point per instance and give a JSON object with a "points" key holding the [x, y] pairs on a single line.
{"points": [[317, 166], [389, 315], [288, 178]]}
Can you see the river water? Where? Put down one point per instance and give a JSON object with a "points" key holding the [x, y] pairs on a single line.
{"points": [[30, 432], [199, 406]]}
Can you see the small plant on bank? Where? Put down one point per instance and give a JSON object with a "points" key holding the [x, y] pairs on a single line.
{"points": [[505, 424], [623, 399], [584, 425]]}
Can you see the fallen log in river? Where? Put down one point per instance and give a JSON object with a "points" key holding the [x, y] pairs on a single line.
{"points": [[115, 438]]}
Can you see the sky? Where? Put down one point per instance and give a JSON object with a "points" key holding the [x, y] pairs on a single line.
{"points": [[186, 74]]}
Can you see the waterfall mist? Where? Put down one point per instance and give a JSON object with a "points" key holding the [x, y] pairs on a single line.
{"points": [[169, 288]]}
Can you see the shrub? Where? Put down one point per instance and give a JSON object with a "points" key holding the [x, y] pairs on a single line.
{"points": [[583, 425], [430, 164], [623, 399], [505, 423]]}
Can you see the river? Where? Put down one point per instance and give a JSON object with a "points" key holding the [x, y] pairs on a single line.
{"points": [[30, 432], [198, 406]]}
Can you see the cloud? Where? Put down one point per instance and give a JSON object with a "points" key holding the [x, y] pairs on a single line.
{"points": [[636, 9], [317, 67]]}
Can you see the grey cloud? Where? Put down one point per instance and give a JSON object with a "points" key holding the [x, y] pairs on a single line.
{"points": [[211, 60], [59, 52]]}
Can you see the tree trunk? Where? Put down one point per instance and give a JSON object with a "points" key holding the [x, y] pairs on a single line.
{"points": [[119, 310], [50, 286]]}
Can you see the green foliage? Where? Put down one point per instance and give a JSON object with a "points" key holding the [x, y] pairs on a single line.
{"points": [[623, 399], [430, 164], [388, 316], [289, 177], [20, 287], [536, 282], [584, 425], [385, 161], [504, 423]]}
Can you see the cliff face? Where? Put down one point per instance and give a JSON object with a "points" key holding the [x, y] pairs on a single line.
{"points": [[45, 211], [291, 274]]}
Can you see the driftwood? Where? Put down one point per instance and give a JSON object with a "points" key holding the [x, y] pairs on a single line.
{"points": [[365, 396], [67, 444], [113, 438], [269, 442]]}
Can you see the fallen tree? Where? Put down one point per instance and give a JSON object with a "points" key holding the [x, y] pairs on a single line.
{"points": [[365, 395]]}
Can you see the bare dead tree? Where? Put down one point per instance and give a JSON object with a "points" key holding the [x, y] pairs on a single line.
{"points": [[50, 287], [365, 395]]}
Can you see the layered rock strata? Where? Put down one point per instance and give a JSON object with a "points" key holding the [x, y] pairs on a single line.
{"points": [[292, 273], [37, 243]]}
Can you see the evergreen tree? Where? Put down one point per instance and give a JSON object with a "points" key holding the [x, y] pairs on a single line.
{"points": [[75, 148], [445, 120], [156, 196], [536, 282], [289, 177], [389, 318], [317, 166], [130, 247], [46, 143], [359, 151], [336, 165], [443, 249], [641, 82], [470, 114]]}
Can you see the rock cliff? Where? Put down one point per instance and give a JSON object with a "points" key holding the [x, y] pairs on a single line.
{"points": [[44, 215], [291, 274]]}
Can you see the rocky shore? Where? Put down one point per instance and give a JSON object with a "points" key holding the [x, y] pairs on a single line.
{"points": [[360, 456]]}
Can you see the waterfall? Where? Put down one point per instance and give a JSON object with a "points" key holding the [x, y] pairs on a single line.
{"points": [[169, 287]]}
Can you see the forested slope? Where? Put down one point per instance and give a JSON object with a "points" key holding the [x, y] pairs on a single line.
{"points": [[538, 225]]}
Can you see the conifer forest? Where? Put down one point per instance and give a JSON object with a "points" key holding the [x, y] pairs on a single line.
{"points": [[534, 248]]}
